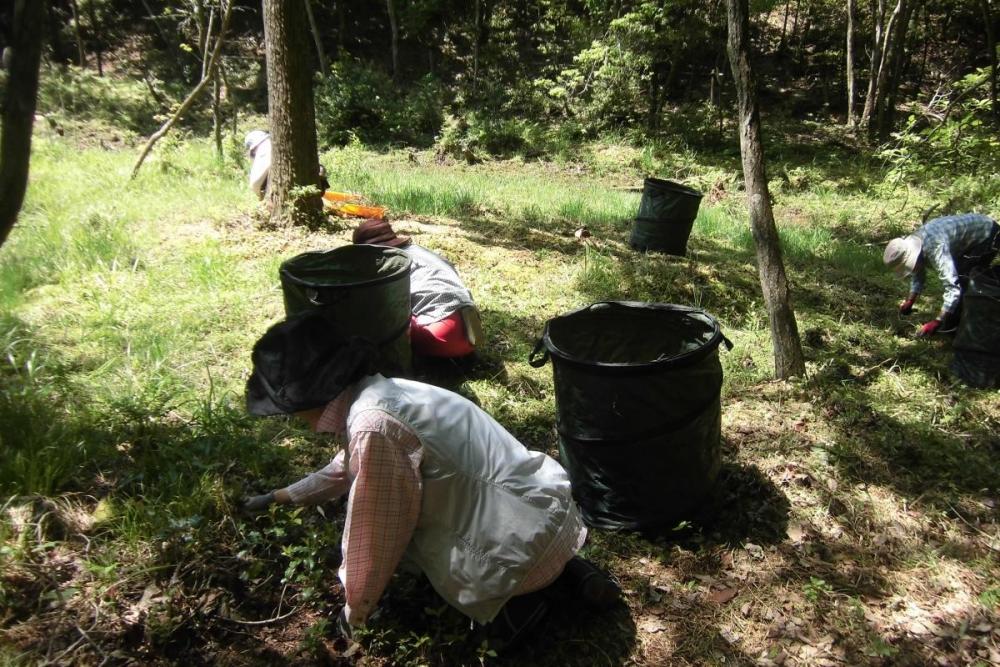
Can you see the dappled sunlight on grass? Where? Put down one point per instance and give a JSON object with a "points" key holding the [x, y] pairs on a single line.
{"points": [[855, 519]]}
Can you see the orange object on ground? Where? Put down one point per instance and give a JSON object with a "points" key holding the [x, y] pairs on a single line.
{"points": [[330, 195], [356, 211], [348, 205]]}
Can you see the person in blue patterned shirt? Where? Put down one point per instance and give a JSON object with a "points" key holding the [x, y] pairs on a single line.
{"points": [[953, 245]]}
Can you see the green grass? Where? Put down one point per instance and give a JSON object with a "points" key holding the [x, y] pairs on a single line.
{"points": [[128, 309]]}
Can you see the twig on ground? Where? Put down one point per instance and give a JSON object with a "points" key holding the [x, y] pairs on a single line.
{"points": [[262, 622], [977, 529]]}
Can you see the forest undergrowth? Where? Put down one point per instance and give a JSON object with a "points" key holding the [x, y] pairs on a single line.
{"points": [[855, 520]]}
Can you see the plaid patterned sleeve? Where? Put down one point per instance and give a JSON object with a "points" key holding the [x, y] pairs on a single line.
{"points": [[323, 485], [382, 508]]}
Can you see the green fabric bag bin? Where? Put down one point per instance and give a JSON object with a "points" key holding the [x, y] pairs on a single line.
{"points": [[365, 290]]}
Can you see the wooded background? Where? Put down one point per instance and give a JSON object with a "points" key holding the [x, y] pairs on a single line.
{"points": [[504, 76]]}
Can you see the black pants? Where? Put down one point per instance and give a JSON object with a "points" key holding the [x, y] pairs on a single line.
{"points": [[979, 256]]}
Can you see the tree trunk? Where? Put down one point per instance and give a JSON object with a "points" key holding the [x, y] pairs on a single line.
{"points": [[394, 36], [788, 359], [897, 65], [878, 15], [475, 43], [991, 46], [851, 88], [291, 116], [19, 109], [95, 30], [784, 27], [55, 21], [876, 113], [314, 29], [81, 55], [217, 113]]}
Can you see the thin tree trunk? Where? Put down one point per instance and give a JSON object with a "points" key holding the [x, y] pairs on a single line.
{"points": [[54, 22], [207, 43], [851, 88], [897, 65], [878, 15], [81, 56], [19, 109], [884, 67], [191, 96], [784, 27], [156, 24], [788, 359], [923, 57], [475, 43], [394, 36], [991, 46], [341, 27], [217, 113], [795, 22], [291, 114], [314, 29], [95, 29]]}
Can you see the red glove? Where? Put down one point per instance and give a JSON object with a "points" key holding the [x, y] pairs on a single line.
{"points": [[906, 307], [929, 328]]}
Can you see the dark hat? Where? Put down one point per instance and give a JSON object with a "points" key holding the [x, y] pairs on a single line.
{"points": [[378, 232], [303, 363]]}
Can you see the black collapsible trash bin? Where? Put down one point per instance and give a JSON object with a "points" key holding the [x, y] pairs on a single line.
{"points": [[637, 409], [667, 212], [977, 341], [365, 290]]}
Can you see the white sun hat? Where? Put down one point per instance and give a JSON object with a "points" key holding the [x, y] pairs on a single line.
{"points": [[901, 254], [254, 139]]}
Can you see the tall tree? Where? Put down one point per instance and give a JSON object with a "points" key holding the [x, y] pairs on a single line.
{"points": [[314, 28], [95, 29], [25, 56], [394, 36], [291, 115], [788, 359], [878, 18], [851, 87], [991, 46], [81, 55]]}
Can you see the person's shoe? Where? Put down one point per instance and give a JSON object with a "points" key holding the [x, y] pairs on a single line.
{"points": [[593, 586], [516, 620], [473, 325]]}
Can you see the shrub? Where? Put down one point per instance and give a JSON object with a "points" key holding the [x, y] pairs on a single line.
{"points": [[80, 93], [359, 100]]}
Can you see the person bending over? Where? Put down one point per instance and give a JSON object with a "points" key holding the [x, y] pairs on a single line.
{"points": [[953, 245], [430, 479], [258, 147], [444, 320]]}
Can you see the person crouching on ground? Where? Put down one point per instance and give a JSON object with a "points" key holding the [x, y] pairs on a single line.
{"points": [[953, 245], [444, 321], [258, 147], [430, 478]]}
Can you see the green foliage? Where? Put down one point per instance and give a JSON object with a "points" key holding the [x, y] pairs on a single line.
{"points": [[123, 103], [476, 136], [358, 99], [622, 78], [817, 589], [954, 148]]}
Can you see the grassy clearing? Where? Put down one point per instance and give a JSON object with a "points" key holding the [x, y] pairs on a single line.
{"points": [[857, 507]]}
